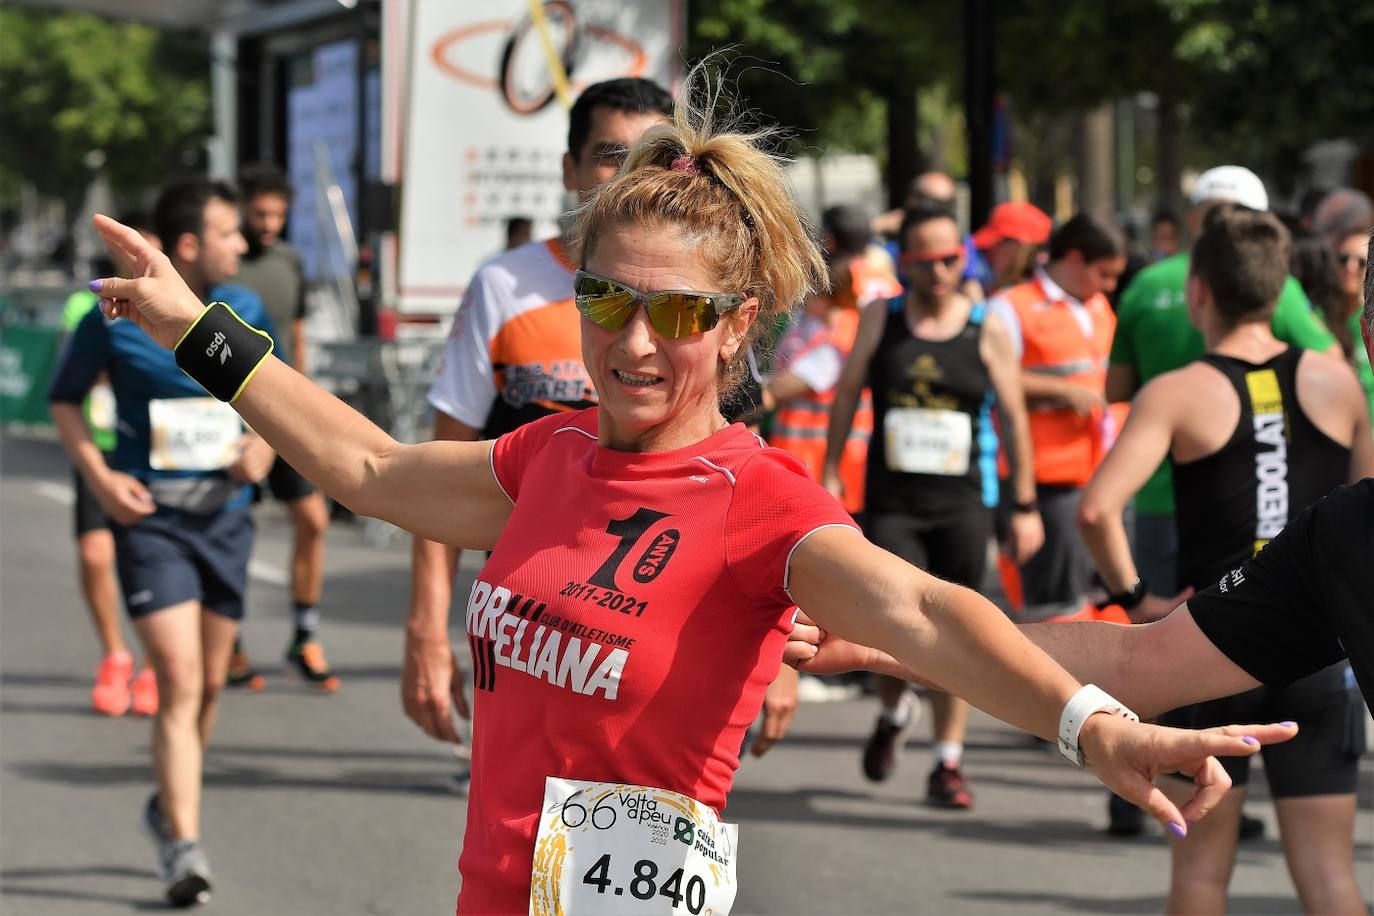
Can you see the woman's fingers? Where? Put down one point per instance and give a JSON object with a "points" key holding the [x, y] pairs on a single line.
{"points": [[1157, 805], [122, 239], [115, 288], [1213, 783], [1226, 741]]}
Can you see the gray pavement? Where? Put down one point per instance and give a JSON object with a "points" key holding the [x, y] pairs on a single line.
{"points": [[339, 805]]}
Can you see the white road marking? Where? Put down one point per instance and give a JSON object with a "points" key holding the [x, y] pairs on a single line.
{"points": [[57, 492], [269, 574]]}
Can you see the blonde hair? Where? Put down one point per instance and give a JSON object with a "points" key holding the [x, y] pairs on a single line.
{"points": [[727, 196]]}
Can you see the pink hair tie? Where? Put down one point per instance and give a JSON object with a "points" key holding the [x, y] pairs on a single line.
{"points": [[686, 163]]}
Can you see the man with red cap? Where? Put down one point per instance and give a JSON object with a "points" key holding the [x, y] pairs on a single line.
{"points": [[1011, 241]]}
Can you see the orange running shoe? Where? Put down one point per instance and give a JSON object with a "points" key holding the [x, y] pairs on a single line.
{"points": [[307, 660], [110, 695], [243, 675], [144, 690]]}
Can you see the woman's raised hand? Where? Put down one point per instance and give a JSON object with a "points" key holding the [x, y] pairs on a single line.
{"points": [[158, 300]]}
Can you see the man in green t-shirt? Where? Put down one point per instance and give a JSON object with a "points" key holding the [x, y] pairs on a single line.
{"points": [[1154, 336], [116, 690]]}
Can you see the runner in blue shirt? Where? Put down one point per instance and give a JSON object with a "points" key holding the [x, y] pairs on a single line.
{"points": [[177, 488]]}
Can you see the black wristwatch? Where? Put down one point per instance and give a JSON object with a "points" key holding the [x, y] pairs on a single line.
{"points": [[1024, 508], [1130, 599]]}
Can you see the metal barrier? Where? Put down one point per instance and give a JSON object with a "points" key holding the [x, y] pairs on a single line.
{"points": [[387, 382]]}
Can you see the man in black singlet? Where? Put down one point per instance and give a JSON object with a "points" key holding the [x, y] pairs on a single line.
{"points": [[935, 363], [1256, 431]]}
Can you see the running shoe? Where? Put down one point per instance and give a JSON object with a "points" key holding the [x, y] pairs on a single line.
{"points": [[185, 872], [110, 695], [1124, 818], [306, 659], [143, 689], [243, 675], [947, 788], [880, 750]]}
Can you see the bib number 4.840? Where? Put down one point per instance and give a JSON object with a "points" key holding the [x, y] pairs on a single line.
{"points": [[645, 886]]}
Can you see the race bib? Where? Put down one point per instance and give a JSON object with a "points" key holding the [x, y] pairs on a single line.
{"points": [[924, 441], [618, 849], [192, 434]]}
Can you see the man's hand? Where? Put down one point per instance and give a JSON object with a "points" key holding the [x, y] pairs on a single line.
{"points": [[1026, 537], [1085, 401], [1156, 608], [124, 498], [254, 460], [1127, 756], [811, 649], [428, 685], [779, 708]]}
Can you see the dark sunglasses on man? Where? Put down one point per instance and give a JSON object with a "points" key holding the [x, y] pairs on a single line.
{"points": [[674, 313], [927, 261]]}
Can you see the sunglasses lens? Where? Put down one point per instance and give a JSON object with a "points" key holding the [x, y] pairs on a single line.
{"points": [[679, 315], [605, 304]]}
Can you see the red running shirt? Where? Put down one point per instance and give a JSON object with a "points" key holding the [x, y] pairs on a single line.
{"points": [[625, 627]]}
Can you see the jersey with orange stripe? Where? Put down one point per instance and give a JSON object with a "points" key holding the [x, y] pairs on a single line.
{"points": [[515, 352]]}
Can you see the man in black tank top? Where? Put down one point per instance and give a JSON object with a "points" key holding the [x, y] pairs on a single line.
{"points": [[936, 364], [1256, 432]]}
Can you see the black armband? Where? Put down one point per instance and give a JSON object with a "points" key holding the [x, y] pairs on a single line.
{"points": [[220, 351]]}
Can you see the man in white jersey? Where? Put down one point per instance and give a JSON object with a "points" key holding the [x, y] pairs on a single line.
{"points": [[514, 355]]}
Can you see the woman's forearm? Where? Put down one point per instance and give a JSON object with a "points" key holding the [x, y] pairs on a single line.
{"points": [[330, 443], [946, 634]]}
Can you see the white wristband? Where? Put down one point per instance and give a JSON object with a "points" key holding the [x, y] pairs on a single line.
{"points": [[1088, 700]]}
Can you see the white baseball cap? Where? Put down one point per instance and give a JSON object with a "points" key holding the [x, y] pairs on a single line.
{"points": [[1231, 183]]}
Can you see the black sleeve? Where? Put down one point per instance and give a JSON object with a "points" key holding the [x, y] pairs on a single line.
{"points": [[1279, 616], [83, 358]]}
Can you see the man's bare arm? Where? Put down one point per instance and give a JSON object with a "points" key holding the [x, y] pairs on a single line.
{"points": [[1152, 668]]}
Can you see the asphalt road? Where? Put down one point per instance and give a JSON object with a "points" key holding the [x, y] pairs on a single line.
{"points": [[339, 805]]}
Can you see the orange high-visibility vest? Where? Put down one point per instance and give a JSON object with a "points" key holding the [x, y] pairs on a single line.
{"points": [[800, 426], [1068, 447]]}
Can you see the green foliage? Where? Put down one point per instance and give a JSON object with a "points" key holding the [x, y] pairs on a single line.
{"points": [[1253, 75], [827, 68], [73, 84]]}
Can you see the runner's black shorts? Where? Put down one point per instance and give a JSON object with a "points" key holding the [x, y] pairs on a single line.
{"points": [[286, 484], [173, 556], [1323, 759], [955, 549], [88, 514]]}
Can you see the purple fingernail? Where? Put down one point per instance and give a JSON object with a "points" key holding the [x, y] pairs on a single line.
{"points": [[104, 305], [1289, 724], [1178, 830], [1248, 740], [94, 285]]}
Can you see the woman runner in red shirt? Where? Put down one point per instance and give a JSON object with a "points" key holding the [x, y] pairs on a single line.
{"points": [[648, 557]]}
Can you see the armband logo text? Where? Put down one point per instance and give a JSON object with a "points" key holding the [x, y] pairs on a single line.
{"points": [[215, 343]]}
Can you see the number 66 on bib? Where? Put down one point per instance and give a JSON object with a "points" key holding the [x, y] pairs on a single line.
{"points": [[622, 849]]}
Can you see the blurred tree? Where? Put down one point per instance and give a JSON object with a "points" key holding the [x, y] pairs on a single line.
{"points": [[843, 74], [79, 94], [1252, 81]]}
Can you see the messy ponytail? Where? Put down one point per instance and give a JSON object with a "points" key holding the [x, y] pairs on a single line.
{"points": [[728, 198]]}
